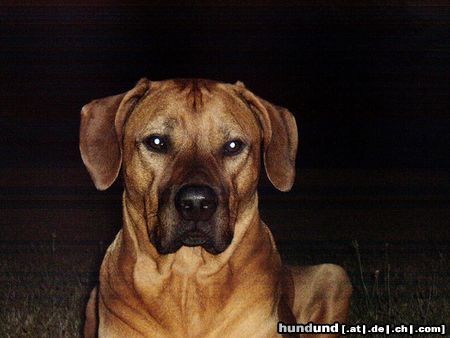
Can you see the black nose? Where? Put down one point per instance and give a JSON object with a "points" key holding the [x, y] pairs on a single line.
{"points": [[196, 202]]}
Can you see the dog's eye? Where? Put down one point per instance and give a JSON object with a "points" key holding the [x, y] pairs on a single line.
{"points": [[156, 143], [232, 147]]}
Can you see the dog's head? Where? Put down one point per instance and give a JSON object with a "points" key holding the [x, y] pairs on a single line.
{"points": [[190, 155]]}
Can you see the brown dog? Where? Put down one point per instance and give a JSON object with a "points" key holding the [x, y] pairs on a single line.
{"points": [[193, 258]]}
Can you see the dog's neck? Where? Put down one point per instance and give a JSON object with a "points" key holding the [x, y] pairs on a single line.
{"points": [[191, 279]]}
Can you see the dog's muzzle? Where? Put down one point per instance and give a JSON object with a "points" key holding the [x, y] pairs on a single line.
{"points": [[192, 215], [196, 204]]}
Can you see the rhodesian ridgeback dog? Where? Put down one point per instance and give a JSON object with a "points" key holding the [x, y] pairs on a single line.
{"points": [[193, 258]]}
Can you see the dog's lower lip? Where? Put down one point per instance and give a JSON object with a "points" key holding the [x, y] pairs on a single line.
{"points": [[194, 239]]}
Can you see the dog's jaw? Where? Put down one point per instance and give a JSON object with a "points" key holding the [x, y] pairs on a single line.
{"points": [[211, 245]]}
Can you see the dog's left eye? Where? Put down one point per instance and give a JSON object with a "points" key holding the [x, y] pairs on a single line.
{"points": [[233, 147], [156, 143]]}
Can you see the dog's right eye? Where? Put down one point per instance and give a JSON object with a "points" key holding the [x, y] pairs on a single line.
{"points": [[156, 143], [233, 147]]}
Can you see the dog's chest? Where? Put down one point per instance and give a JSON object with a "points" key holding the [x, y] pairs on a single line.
{"points": [[194, 305]]}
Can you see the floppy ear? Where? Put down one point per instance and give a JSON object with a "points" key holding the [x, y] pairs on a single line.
{"points": [[280, 138], [101, 126]]}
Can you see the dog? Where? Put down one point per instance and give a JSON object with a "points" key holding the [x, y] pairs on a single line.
{"points": [[193, 258]]}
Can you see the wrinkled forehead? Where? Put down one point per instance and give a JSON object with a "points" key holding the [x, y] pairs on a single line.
{"points": [[193, 105]]}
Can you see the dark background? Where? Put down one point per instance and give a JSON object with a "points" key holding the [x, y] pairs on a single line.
{"points": [[368, 84]]}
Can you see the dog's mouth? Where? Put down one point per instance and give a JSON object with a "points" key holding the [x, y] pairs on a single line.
{"points": [[194, 238]]}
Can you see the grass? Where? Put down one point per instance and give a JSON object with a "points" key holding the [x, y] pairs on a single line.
{"points": [[44, 288], [43, 292], [416, 293]]}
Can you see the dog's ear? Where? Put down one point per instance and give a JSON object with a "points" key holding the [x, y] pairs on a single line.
{"points": [[101, 126], [280, 138]]}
